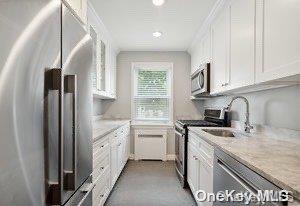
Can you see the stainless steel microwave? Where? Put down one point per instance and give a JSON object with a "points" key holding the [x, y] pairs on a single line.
{"points": [[200, 81]]}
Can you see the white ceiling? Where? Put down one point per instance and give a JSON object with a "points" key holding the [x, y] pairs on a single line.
{"points": [[132, 22]]}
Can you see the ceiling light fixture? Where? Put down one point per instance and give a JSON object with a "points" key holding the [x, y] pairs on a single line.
{"points": [[157, 34], [158, 2]]}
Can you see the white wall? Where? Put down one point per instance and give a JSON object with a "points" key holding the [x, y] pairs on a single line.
{"points": [[276, 108], [100, 106], [183, 106]]}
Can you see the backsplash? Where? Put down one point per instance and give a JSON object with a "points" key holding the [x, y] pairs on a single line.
{"points": [[275, 108]]}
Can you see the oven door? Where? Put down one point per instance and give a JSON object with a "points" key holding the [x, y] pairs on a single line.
{"points": [[179, 152]]}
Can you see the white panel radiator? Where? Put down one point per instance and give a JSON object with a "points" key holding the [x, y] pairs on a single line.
{"points": [[150, 144]]}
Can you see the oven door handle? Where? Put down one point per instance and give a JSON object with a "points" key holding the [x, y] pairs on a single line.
{"points": [[178, 133]]}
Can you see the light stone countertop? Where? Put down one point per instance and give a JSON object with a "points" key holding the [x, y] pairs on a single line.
{"points": [[275, 158], [105, 126]]}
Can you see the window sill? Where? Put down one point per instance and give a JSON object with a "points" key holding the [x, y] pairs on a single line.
{"points": [[137, 123]]}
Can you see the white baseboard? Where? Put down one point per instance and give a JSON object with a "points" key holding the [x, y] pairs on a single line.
{"points": [[131, 156], [170, 157]]}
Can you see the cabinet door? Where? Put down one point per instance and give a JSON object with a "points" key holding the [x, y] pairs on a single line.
{"points": [[126, 149], [205, 181], [123, 160], [120, 155], [114, 162], [278, 39], [113, 72], [242, 43], [219, 35], [195, 57], [193, 167], [206, 45]]}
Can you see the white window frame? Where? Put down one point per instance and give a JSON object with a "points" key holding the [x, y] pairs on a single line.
{"points": [[152, 67]]}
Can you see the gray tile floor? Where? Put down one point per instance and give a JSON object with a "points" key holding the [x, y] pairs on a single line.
{"points": [[149, 183]]}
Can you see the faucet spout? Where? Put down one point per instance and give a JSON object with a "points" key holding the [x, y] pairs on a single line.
{"points": [[247, 127]]}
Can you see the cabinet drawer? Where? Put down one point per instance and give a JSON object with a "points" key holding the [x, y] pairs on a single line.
{"points": [[101, 190], [100, 155], [101, 166], [100, 147]]}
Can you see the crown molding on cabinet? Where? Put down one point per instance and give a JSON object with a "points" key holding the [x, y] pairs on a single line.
{"points": [[103, 28], [205, 26]]}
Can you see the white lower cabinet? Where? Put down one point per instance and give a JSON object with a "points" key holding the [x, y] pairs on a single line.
{"points": [[193, 165], [205, 180], [200, 167], [114, 162], [109, 158]]}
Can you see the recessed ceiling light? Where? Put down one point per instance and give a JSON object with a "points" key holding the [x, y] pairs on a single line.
{"points": [[157, 34], [158, 2]]}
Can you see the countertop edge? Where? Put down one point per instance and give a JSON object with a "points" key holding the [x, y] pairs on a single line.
{"points": [[95, 139], [279, 183]]}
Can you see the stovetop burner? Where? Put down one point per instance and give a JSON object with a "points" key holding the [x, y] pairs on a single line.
{"points": [[197, 123]]}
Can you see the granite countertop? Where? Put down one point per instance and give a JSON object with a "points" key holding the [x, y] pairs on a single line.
{"points": [[105, 126], [275, 158]]}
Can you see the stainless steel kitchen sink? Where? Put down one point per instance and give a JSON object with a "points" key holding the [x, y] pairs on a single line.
{"points": [[226, 133], [220, 132]]}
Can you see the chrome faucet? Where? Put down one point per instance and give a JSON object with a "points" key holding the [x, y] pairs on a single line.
{"points": [[248, 127]]}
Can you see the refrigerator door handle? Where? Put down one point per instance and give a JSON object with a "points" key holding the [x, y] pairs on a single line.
{"points": [[54, 82], [70, 85]]}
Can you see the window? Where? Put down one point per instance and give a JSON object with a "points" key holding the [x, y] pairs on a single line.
{"points": [[152, 91]]}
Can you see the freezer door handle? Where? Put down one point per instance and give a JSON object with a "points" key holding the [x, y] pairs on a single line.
{"points": [[70, 86], [54, 82]]}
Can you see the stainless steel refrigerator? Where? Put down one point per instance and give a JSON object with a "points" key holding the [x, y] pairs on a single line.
{"points": [[46, 57]]}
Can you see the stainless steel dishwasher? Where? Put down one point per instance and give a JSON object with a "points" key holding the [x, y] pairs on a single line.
{"points": [[229, 174]]}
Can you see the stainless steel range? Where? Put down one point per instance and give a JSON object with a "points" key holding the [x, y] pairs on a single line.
{"points": [[212, 118]]}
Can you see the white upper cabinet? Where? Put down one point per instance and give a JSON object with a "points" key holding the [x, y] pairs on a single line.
{"points": [[206, 47], [201, 52], [252, 42], [79, 7], [105, 54], [195, 58], [219, 64], [242, 43], [278, 39]]}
